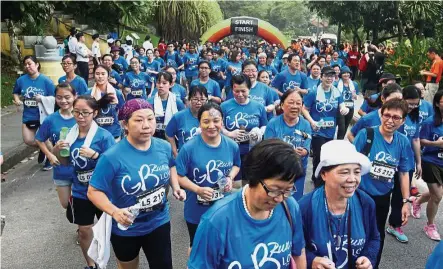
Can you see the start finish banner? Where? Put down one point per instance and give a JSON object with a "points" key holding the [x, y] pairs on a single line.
{"points": [[244, 26]]}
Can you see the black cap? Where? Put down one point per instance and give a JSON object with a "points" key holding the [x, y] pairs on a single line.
{"points": [[95, 36], [388, 76], [327, 70]]}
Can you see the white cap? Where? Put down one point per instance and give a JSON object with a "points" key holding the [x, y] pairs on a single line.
{"points": [[110, 40], [262, 54], [336, 152], [285, 56]]}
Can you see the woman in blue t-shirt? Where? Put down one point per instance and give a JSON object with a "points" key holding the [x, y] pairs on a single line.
{"points": [[206, 166], [30, 87], [211, 85], [137, 84], [86, 142], [114, 78], [294, 130], [431, 137], [259, 226], [233, 67], [184, 125], [132, 190], [69, 65], [339, 221], [50, 129]]}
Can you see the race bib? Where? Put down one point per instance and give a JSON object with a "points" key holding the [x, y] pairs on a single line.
{"points": [[440, 155], [382, 171], [327, 122], [160, 127], [105, 121], [216, 195], [152, 200], [349, 104], [138, 92], [30, 103], [84, 176]]}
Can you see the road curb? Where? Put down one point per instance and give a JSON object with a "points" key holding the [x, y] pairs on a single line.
{"points": [[16, 155]]}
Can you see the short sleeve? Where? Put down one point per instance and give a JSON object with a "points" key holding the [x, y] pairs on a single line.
{"points": [[121, 99], [216, 92], [180, 105], [304, 81], [118, 78], [277, 82], [182, 161], [405, 163], [103, 175], [263, 116], [43, 132], [425, 132], [206, 247], [298, 239], [365, 107], [358, 126], [310, 99], [50, 87], [171, 128], [360, 140], [237, 158], [108, 142], [126, 81], [82, 87], [269, 132]]}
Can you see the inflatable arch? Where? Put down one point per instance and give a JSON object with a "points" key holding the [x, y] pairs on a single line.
{"points": [[244, 26]]}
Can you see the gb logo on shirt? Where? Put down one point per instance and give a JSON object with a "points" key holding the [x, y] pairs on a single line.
{"points": [[31, 92], [239, 119], [145, 173], [291, 85]]}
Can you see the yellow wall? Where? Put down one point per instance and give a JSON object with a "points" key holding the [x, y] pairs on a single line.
{"points": [[6, 46]]}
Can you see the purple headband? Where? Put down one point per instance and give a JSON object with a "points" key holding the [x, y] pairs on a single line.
{"points": [[131, 106]]}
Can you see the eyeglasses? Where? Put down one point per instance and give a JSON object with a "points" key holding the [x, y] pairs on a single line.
{"points": [[66, 64], [275, 194], [82, 113], [196, 100], [394, 118]]}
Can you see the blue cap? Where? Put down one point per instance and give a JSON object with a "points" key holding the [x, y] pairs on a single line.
{"points": [[345, 69]]}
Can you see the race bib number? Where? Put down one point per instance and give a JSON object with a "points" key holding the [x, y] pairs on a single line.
{"points": [[440, 155], [105, 121], [160, 126], [327, 122], [84, 176], [349, 104], [138, 92], [30, 103], [216, 195], [152, 200], [382, 171]]}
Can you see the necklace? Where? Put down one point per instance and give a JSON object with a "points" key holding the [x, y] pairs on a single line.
{"points": [[243, 194], [338, 238]]}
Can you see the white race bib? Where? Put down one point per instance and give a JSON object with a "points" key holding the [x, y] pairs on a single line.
{"points": [[349, 104], [150, 201], [137, 92], [326, 124], [440, 155], [105, 121], [84, 176], [382, 171], [216, 195], [30, 103], [160, 127]]}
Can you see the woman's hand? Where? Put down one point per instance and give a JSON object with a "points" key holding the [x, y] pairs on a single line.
{"points": [[87, 152], [405, 212], [314, 126], [205, 193], [38, 98], [418, 170], [237, 134], [17, 102], [228, 186], [301, 151], [363, 263], [61, 144], [122, 216], [180, 194], [53, 160], [112, 80], [322, 263]]}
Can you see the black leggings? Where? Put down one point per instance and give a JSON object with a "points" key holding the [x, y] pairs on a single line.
{"points": [[381, 212], [343, 123], [397, 201], [316, 143]]}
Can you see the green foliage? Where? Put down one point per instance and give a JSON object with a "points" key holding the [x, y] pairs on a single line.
{"points": [[186, 19], [32, 16], [409, 59]]}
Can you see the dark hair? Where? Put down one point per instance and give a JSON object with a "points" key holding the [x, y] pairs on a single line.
{"points": [[388, 90], [248, 62], [292, 55], [135, 58], [101, 66], [34, 59], [166, 75], [106, 55], [94, 104], [316, 64], [220, 52], [171, 43], [65, 86], [432, 50], [208, 106], [72, 31], [271, 158], [95, 36], [412, 92], [78, 35], [437, 113], [270, 56], [147, 37], [234, 55], [128, 42], [396, 104], [240, 79], [262, 71], [197, 89], [204, 62], [287, 93], [70, 56]]}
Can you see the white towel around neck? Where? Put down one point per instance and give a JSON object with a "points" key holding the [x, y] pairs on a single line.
{"points": [[74, 132], [321, 97], [340, 86], [46, 107], [97, 93], [171, 107]]}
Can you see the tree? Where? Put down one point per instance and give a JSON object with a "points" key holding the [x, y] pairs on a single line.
{"points": [[179, 20]]}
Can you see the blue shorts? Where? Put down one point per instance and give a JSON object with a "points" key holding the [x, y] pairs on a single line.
{"points": [[63, 182]]}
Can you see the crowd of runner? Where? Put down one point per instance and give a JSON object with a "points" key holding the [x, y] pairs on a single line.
{"points": [[228, 128]]}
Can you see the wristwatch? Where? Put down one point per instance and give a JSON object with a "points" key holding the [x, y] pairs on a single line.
{"points": [[407, 200]]}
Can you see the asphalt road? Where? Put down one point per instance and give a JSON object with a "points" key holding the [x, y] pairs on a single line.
{"points": [[37, 234]]}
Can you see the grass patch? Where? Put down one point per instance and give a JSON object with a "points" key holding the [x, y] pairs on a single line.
{"points": [[7, 84], [142, 35]]}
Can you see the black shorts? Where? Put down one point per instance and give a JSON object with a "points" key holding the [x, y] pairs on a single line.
{"points": [[82, 212], [156, 246], [192, 229], [432, 173], [33, 124]]}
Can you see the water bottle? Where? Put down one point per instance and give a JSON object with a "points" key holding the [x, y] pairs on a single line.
{"points": [[222, 181], [64, 152], [134, 212]]}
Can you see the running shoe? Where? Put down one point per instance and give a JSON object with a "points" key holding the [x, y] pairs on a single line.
{"points": [[431, 232], [415, 208], [415, 192], [397, 233], [47, 166], [41, 157]]}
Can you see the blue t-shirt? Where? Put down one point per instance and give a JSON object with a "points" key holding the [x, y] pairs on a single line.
{"points": [[285, 81], [217, 66], [137, 83], [202, 164], [411, 130], [386, 158], [78, 84], [322, 226], [50, 129], [122, 63], [152, 66], [325, 113], [312, 83], [211, 86], [365, 107], [431, 132], [268, 68], [435, 261], [173, 59], [339, 62], [227, 237], [425, 110], [84, 167], [107, 118], [347, 93], [141, 178], [183, 126], [29, 88], [118, 78], [369, 120], [191, 62], [177, 89], [143, 60], [230, 73], [250, 115], [161, 61]]}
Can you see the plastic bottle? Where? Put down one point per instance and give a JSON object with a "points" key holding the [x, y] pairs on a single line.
{"points": [[222, 181], [64, 152], [134, 211]]}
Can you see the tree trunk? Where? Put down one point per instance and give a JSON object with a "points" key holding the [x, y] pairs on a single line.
{"points": [[399, 22], [15, 54], [339, 33]]}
